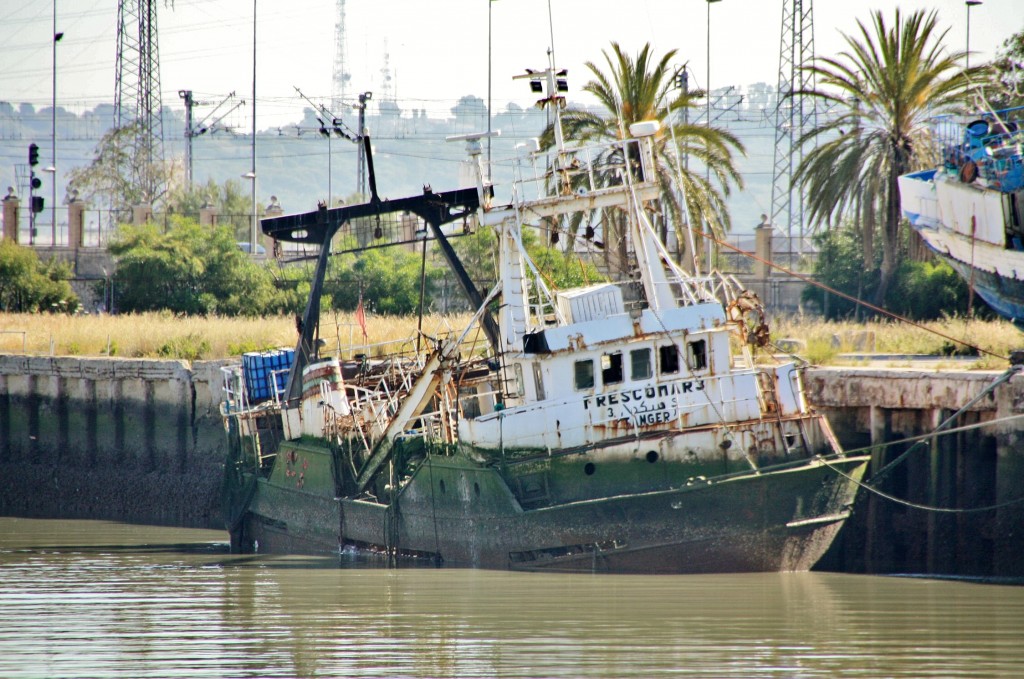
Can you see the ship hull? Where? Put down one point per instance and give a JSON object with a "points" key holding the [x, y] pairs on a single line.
{"points": [[457, 513], [976, 230], [1004, 293]]}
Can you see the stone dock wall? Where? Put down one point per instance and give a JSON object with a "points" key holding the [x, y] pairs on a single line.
{"points": [[123, 439], [141, 441], [970, 469]]}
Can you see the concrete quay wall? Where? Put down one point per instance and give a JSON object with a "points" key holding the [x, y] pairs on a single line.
{"points": [[122, 439], [979, 466], [141, 440]]}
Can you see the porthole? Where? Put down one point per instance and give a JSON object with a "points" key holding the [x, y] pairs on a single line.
{"points": [[652, 456], [589, 469]]}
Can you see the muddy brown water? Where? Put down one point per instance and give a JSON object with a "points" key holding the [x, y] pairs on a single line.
{"points": [[97, 599]]}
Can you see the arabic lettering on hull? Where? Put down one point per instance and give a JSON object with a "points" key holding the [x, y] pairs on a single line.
{"points": [[642, 406]]}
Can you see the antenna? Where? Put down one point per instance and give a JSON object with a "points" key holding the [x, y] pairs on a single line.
{"points": [[554, 83], [386, 94], [340, 77]]}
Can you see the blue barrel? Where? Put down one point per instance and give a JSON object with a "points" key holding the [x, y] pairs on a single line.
{"points": [[262, 369]]}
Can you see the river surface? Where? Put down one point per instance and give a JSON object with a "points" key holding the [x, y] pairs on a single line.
{"points": [[95, 599]]}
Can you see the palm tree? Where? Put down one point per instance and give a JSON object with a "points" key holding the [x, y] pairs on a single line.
{"points": [[640, 89], [885, 87]]}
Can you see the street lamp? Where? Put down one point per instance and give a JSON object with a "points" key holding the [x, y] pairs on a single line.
{"points": [[53, 129], [489, 110], [707, 80], [970, 4], [251, 176], [707, 84]]}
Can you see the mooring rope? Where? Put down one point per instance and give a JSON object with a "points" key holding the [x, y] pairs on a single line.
{"points": [[918, 440], [932, 434], [915, 505], [1010, 372]]}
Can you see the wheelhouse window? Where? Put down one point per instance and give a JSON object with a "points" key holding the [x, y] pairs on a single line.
{"points": [[538, 382], [611, 368], [697, 355], [584, 374], [640, 364], [519, 385], [668, 359]]}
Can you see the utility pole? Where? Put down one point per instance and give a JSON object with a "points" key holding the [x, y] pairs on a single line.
{"points": [[193, 129], [683, 82], [189, 103], [53, 130]]}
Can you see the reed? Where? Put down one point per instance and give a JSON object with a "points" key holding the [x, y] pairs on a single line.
{"points": [[169, 336], [164, 335], [833, 342]]}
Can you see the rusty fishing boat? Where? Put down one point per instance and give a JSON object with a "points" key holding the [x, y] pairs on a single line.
{"points": [[620, 427]]}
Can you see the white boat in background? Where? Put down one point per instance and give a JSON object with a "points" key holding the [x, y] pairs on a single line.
{"points": [[970, 210]]}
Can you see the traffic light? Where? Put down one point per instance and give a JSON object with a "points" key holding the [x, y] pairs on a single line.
{"points": [[37, 203], [683, 80], [36, 181], [33, 154]]}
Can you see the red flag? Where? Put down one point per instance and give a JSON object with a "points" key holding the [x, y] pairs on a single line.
{"points": [[361, 317]]}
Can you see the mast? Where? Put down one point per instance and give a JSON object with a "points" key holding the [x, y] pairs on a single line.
{"points": [[572, 190]]}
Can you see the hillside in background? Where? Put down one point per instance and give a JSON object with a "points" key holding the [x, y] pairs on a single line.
{"points": [[301, 166]]}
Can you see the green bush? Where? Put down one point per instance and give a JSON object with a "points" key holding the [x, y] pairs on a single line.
{"points": [[189, 269], [246, 346], [191, 347], [30, 285], [920, 291], [840, 266], [926, 291]]}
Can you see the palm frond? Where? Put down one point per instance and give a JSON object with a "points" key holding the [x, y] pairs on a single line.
{"points": [[886, 84]]}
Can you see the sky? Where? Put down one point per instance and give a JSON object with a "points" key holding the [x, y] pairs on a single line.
{"points": [[434, 52]]}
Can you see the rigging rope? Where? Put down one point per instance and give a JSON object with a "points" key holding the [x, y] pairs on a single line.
{"points": [[850, 298]]}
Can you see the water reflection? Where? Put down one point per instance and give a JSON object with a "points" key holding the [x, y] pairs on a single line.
{"points": [[89, 599]]}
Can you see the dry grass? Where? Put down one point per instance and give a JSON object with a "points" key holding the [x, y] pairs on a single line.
{"points": [[165, 335], [826, 342]]}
